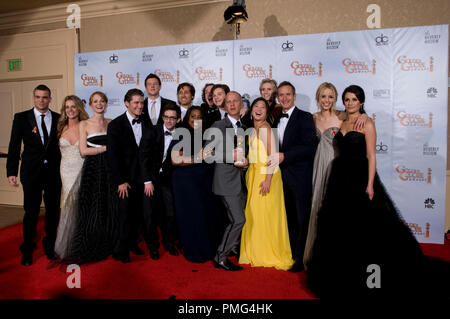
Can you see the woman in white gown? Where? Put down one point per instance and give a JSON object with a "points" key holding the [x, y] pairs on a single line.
{"points": [[72, 112]]}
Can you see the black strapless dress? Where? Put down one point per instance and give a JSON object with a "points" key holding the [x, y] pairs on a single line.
{"points": [[354, 232], [96, 229]]}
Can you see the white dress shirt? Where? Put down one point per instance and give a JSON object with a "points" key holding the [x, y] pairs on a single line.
{"points": [[137, 129], [47, 121], [157, 108], [233, 122], [222, 113], [183, 112], [283, 123]]}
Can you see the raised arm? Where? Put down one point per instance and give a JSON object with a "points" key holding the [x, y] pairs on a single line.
{"points": [[371, 140]]}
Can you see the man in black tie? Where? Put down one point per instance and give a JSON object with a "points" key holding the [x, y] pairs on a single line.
{"points": [[157, 167], [39, 171], [154, 103], [297, 136], [124, 137]]}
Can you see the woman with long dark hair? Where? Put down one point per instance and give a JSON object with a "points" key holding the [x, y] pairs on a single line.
{"points": [[363, 247]]}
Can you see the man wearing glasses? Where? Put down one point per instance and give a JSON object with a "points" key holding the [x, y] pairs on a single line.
{"points": [[156, 167]]}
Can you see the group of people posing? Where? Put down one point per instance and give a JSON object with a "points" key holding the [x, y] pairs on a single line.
{"points": [[271, 184]]}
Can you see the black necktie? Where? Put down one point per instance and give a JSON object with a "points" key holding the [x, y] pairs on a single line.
{"points": [[284, 115], [136, 120], [238, 124], [44, 129], [167, 133]]}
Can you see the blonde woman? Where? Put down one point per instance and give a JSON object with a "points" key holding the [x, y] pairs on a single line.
{"points": [[328, 122], [96, 222], [72, 112]]}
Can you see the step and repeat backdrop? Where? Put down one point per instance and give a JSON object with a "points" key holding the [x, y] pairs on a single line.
{"points": [[404, 72]]}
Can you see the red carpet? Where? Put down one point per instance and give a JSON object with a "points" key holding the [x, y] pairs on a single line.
{"points": [[144, 278]]}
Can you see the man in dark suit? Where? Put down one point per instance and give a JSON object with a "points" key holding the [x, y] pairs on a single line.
{"points": [[154, 103], [156, 167], [124, 137], [39, 171], [297, 136], [228, 178]]}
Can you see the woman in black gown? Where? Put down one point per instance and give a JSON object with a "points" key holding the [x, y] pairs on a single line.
{"points": [[196, 214], [362, 240], [95, 230]]}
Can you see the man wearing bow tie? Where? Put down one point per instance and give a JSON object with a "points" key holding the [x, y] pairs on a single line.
{"points": [[157, 167], [297, 137], [124, 138]]}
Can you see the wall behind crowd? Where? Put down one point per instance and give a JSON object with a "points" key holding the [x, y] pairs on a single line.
{"points": [[160, 23], [186, 21]]}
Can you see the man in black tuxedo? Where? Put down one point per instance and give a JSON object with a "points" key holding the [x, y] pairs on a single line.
{"points": [[157, 167], [39, 171], [124, 137], [154, 103], [297, 136]]}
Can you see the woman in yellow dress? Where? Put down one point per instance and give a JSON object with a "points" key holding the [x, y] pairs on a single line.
{"points": [[265, 238]]}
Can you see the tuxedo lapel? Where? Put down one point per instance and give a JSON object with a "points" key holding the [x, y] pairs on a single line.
{"points": [[33, 124], [53, 130], [127, 127], [290, 126]]}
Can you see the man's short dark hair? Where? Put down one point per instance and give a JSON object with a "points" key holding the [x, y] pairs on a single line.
{"points": [[172, 107], [224, 87], [152, 76], [287, 83], [132, 92], [42, 87], [191, 87]]}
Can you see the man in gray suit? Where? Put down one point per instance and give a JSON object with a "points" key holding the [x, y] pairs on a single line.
{"points": [[228, 177]]}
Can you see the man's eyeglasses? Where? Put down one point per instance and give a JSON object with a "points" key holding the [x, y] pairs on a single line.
{"points": [[171, 118]]}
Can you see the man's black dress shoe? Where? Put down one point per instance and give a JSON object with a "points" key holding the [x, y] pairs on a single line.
{"points": [[172, 250], [297, 267], [154, 254], [27, 260], [125, 258], [227, 265], [137, 251]]}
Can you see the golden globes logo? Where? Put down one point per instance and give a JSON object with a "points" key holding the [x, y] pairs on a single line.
{"points": [[413, 175], [252, 72], [359, 66], [418, 230], [208, 75], [92, 80], [306, 69], [414, 65], [124, 79], [407, 119], [168, 76]]}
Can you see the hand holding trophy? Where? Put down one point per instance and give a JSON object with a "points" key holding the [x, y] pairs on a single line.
{"points": [[239, 152]]}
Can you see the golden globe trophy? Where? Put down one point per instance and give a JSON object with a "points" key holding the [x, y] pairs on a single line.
{"points": [[240, 146]]}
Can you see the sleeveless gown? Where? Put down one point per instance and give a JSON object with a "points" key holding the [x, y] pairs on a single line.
{"points": [[265, 238], [325, 154], [96, 228], [354, 232], [70, 171]]}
